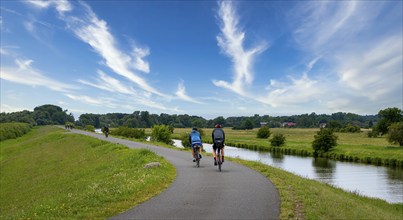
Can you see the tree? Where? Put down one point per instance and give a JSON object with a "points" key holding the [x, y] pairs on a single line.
{"points": [[324, 140], [263, 132], [395, 135], [387, 117], [277, 140], [247, 124]]}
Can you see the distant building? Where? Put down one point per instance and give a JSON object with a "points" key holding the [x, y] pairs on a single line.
{"points": [[288, 124], [262, 124]]}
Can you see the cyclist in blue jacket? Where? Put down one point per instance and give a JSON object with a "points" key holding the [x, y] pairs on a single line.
{"points": [[195, 139]]}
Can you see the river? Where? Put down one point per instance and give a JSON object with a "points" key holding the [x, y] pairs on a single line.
{"points": [[368, 180]]}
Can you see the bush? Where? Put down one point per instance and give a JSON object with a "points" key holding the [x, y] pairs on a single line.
{"points": [[185, 140], [130, 132], [351, 129], [161, 133], [90, 128], [324, 141], [263, 132], [277, 140], [395, 135], [13, 130]]}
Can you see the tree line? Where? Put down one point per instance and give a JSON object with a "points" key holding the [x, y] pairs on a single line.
{"points": [[143, 119], [52, 114], [42, 115]]}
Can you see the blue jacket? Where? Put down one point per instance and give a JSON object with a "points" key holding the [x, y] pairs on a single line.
{"points": [[195, 138]]}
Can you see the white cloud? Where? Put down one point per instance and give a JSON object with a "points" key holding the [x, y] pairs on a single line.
{"points": [[116, 87], [139, 63], [231, 41], [322, 25], [375, 71], [108, 83], [25, 74], [95, 32], [297, 91], [62, 6], [106, 102], [181, 94], [8, 108]]}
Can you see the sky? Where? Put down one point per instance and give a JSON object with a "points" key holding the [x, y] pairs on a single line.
{"points": [[204, 58]]}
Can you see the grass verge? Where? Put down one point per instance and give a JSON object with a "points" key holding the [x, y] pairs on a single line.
{"points": [[303, 198], [49, 174]]}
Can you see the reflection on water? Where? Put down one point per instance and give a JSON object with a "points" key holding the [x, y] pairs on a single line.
{"points": [[324, 169], [373, 181]]}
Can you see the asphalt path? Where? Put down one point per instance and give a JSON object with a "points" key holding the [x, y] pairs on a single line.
{"points": [[237, 192]]}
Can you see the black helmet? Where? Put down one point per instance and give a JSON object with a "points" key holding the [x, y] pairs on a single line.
{"points": [[194, 129]]}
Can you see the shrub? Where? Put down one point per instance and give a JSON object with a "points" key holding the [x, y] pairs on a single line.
{"points": [[351, 129], [161, 133], [130, 132], [263, 132], [13, 130], [277, 140], [324, 141], [185, 140], [395, 135], [90, 128]]}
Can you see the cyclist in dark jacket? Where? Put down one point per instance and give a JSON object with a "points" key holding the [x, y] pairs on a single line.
{"points": [[218, 136], [195, 139]]}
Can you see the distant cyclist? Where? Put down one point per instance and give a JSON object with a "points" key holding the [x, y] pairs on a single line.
{"points": [[218, 136], [195, 139], [106, 130]]}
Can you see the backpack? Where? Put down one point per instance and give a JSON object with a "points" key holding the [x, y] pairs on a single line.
{"points": [[218, 136]]}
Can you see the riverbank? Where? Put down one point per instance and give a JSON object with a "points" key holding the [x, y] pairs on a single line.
{"points": [[352, 147], [302, 198]]}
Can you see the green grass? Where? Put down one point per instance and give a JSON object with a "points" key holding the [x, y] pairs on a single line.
{"points": [[49, 174], [13, 130], [354, 147], [302, 198]]}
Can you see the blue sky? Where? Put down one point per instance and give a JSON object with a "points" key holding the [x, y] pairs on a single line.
{"points": [[205, 58]]}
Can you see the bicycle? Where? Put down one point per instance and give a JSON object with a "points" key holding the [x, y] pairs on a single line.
{"points": [[197, 155], [106, 133], [219, 161]]}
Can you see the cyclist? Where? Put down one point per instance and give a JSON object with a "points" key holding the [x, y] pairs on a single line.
{"points": [[195, 139], [106, 130], [218, 136]]}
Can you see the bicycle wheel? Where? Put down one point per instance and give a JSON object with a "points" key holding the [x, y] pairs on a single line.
{"points": [[219, 160], [197, 157]]}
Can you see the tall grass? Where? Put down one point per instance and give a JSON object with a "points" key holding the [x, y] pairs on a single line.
{"points": [[49, 174], [13, 130]]}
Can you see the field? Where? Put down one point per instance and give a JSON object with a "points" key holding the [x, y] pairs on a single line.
{"points": [[50, 174], [354, 147]]}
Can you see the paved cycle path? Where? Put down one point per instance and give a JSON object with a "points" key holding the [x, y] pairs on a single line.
{"points": [[237, 192]]}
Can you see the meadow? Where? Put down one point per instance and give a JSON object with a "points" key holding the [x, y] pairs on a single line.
{"points": [[353, 147], [51, 174]]}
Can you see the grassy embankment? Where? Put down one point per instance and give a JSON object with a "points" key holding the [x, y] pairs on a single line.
{"points": [[50, 174], [353, 147]]}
